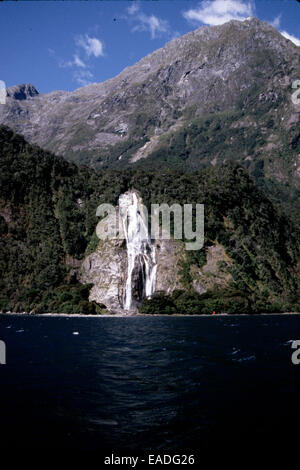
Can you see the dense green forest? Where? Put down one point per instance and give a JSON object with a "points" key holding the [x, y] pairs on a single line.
{"points": [[48, 219], [219, 137]]}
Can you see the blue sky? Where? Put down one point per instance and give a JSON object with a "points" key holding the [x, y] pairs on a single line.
{"points": [[62, 45]]}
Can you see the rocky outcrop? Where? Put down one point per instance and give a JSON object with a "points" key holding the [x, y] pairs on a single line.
{"points": [[106, 270], [214, 273], [169, 254], [130, 259], [22, 92], [108, 267]]}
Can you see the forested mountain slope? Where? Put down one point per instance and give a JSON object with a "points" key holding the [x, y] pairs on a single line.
{"points": [[48, 219]]}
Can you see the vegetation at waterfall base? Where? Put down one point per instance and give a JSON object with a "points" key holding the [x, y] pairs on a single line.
{"points": [[219, 301], [48, 219]]}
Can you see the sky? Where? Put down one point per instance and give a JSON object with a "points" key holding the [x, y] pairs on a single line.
{"points": [[64, 45]]}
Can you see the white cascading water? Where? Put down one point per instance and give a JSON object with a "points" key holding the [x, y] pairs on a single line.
{"points": [[140, 251]]}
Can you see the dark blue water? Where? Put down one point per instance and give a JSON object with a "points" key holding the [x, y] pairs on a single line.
{"points": [[135, 385]]}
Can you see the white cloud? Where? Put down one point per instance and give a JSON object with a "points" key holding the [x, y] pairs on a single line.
{"points": [[214, 12], [276, 21], [83, 77], [133, 8], [291, 38], [63, 64], [78, 61], [81, 69], [144, 22], [92, 46], [151, 23], [276, 24]]}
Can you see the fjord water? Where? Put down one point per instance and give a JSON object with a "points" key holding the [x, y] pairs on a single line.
{"points": [[140, 385]]}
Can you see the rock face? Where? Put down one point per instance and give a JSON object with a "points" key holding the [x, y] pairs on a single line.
{"points": [[118, 265], [209, 70], [211, 274], [106, 270], [22, 92], [130, 267], [169, 254]]}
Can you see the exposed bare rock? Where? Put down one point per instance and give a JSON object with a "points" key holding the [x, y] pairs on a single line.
{"points": [[5, 212], [169, 254], [124, 119], [22, 92], [105, 269], [212, 274]]}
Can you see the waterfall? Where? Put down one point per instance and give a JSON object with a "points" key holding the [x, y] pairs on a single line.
{"points": [[141, 262]]}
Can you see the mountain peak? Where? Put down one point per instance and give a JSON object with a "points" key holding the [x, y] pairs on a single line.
{"points": [[22, 92], [239, 74]]}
